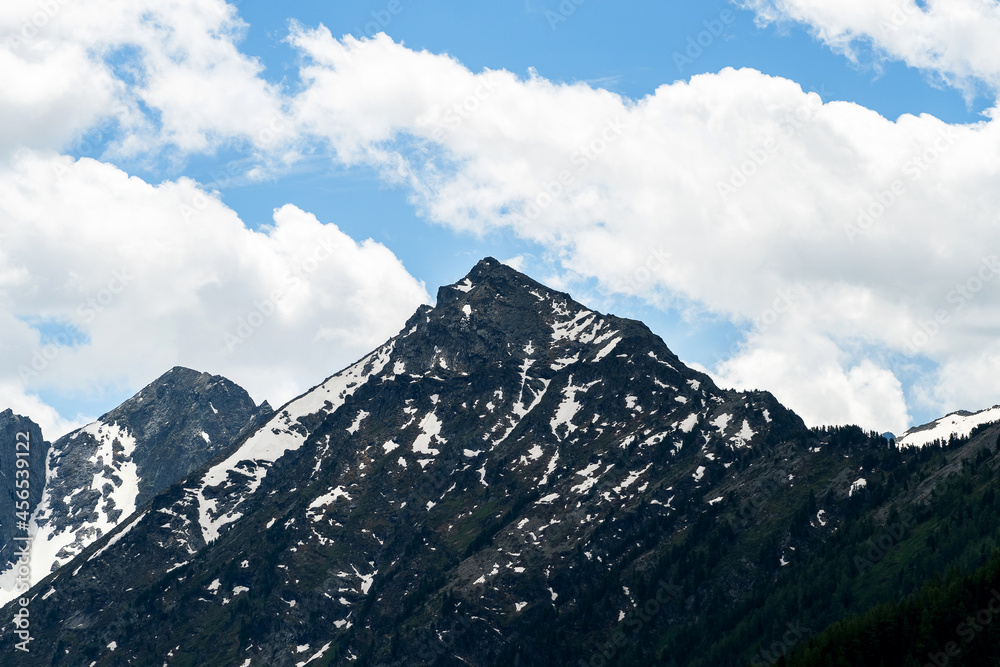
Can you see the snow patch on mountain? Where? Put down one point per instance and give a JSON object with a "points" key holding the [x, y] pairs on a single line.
{"points": [[607, 349], [112, 494], [568, 408], [430, 433], [959, 424], [247, 466]]}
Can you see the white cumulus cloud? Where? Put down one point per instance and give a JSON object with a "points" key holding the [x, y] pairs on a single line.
{"points": [[137, 278], [955, 40], [752, 187], [166, 75]]}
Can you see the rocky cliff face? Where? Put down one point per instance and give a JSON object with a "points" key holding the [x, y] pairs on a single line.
{"points": [[20, 438], [98, 475]]}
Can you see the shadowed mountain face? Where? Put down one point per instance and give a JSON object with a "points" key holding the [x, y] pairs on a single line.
{"points": [[487, 465], [98, 475], [20, 438]]}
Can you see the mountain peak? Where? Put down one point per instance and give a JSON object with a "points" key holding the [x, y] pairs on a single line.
{"points": [[182, 371], [489, 267], [489, 264], [182, 384], [500, 278]]}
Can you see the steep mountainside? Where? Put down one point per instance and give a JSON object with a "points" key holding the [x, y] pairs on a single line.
{"points": [[20, 438], [516, 480], [98, 475]]}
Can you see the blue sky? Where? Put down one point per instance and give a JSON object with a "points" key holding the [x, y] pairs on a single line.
{"points": [[180, 113]]}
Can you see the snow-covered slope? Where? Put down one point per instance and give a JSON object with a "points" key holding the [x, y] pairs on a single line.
{"points": [[959, 424], [241, 473]]}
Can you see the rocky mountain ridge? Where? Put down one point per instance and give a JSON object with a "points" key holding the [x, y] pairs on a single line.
{"points": [[515, 479]]}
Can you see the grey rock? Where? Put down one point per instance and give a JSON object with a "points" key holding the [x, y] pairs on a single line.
{"points": [[11, 444]]}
